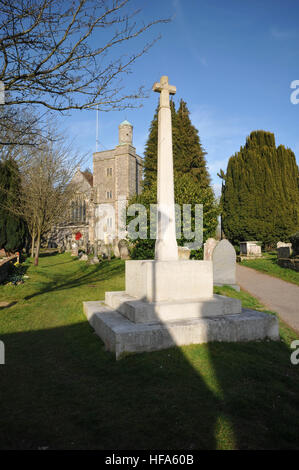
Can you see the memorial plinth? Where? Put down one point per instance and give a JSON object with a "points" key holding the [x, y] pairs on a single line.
{"points": [[170, 301]]}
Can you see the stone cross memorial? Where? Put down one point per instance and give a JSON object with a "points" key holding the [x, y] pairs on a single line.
{"points": [[169, 301], [166, 245]]}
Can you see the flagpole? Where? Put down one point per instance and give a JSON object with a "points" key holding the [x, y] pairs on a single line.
{"points": [[97, 129]]}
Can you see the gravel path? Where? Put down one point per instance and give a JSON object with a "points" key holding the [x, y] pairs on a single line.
{"points": [[279, 296]]}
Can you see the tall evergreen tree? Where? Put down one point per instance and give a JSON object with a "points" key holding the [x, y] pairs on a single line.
{"points": [[260, 194], [13, 229], [191, 177], [188, 154], [186, 192]]}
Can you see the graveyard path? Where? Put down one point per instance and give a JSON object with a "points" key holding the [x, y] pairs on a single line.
{"points": [[279, 296]]}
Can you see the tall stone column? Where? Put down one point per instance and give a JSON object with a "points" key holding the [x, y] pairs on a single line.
{"points": [[166, 248]]}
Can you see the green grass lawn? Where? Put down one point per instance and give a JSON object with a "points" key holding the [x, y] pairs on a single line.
{"points": [[268, 264], [61, 390]]}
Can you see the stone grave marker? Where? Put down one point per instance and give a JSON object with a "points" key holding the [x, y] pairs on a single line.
{"points": [[224, 265], [208, 248]]}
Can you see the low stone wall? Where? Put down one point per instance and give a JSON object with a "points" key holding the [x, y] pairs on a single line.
{"points": [[4, 267], [291, 263]]}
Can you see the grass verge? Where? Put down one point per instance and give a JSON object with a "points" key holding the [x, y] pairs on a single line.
{"points": [[268, 265], [61, 390]]}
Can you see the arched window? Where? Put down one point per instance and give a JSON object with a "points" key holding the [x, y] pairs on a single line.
{"points": [[84, 211]]}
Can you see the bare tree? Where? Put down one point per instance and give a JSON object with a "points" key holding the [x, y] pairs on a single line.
{"points": [[65, 55], [46, 190], [21, 129]]}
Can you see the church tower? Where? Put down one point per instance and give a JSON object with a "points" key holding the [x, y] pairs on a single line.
{"points": [[117, 176], [125, 133]]}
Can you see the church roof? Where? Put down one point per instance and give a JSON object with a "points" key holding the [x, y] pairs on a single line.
{"points": [[88, 176]]}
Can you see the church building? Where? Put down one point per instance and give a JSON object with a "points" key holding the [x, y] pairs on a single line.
{"points": [[94, 211]]}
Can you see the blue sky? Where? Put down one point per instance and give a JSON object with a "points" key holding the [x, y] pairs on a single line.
{"points": [[232, 61]]}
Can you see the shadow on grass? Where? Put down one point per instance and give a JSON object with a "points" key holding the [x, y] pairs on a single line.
{"points": [[58, 264], [45, 254], [61, 390], [60, 281]]}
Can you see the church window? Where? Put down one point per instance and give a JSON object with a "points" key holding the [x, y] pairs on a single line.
{"points": [[78, 211]]}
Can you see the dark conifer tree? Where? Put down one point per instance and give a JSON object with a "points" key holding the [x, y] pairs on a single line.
{"points": [[150, 153], [191, 178], [188, 154], [13, 230], [260, 196]]}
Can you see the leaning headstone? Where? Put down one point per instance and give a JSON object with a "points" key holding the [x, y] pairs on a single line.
{"points": [[184, 252], [208, 248], [123, 249], [224, 265]]}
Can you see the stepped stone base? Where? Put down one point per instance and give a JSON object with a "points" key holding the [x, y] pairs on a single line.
{"points": [[158, 281], [141, 311], [169, 303], [121, 335]]}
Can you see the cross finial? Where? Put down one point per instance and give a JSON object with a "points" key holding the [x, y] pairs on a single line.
{"points": [[165, 90]]}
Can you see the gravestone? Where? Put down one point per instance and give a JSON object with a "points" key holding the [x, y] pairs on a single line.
{"points": [[68, 245], [104, 250], [208, 248], [123, 249], [284, 251], [116, 248], [184, 252], [224, 265], [250, 249], [75, 251]]}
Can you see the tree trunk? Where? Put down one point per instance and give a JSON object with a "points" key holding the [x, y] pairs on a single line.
{"points": [[37, 249], [32, 244]]}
